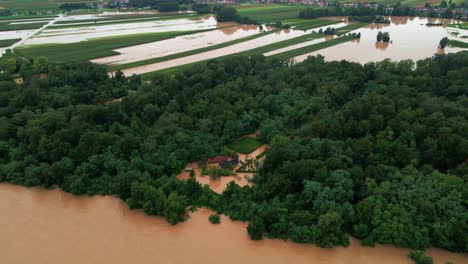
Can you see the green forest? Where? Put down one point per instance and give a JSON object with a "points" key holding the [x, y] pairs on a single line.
{"points": [[376, 151]]}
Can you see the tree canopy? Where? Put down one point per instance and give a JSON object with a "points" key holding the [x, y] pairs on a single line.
{"points": [[378, 151]]}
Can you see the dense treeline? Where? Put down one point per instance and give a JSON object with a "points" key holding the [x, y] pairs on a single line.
{"points": [[378, 151], [372, 12], [226, 13], [161, 5], [73, 6]]}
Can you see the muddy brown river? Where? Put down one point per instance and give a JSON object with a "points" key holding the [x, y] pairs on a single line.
{"points": [[52, 227]]}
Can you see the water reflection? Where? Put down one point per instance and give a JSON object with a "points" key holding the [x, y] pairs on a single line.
{"points": [[381, 45]]}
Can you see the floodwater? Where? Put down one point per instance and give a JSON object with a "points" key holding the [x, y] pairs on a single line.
{"points": [[178, 44], [410, 39], [232, 49], [52, 227], [298, 46], [77, 34], [218, 185]]}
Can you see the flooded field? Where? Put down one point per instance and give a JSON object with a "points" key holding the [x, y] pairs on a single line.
{"points": [[218, 185], [52, 227], [410, 38], [179, 44], [233, 49], [77, 34]]}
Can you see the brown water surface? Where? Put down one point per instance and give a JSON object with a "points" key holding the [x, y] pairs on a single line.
{"points": [[410, 38], [52, 227]]}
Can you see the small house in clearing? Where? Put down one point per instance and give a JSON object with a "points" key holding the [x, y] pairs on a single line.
{"points": [[218, 159], [228, 163]]}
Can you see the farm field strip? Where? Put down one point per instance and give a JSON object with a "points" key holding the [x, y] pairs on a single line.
{"points": [[117, 21], [296, 46], [255, 46], [22, 17], [189, 52], [308, 49], [306, 24], [94, 48], [268, 14], [8, 42], [75, 35], [15, 27]]}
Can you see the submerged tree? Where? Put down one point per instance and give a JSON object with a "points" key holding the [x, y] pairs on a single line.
{"points": [[443, 43]]}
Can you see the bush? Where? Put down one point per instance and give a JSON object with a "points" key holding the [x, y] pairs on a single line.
{"points": [[419, 257], [214, 219]]}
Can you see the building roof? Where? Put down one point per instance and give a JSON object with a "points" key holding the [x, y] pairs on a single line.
{"points": [[217, 159]]}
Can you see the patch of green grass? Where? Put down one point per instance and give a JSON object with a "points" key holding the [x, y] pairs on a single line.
{"points": [[29, 5], [187, 53], [305, 24], [461, 25], [7, 26], [8, 42], [94, 48], [245, 145], [271, 13], [457, 43], [308, 49], [26, 17]]}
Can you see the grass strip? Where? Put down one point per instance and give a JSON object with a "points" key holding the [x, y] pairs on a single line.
{"points": [[461, 25], [118, 17], [350, 27], [93, 48], [12, 27], [306, 24], [26, 17], [8, 42], [457, 43], [304, 50], [187, 53]]}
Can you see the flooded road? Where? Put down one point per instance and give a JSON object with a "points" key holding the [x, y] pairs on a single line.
{"points": [[51, 227], [410, 39], [178, 44]]}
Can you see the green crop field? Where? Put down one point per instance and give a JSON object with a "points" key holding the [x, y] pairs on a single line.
{"points": [[94, 48], [6, 26], [37, 5], [188, 53], [29, 5], [271, 13], [120, 21], [458, 44], [245, 145], [461, 25], [305, 24], [8, 42]]}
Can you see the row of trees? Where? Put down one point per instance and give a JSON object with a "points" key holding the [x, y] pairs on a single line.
{"points": [[378, 151]]}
